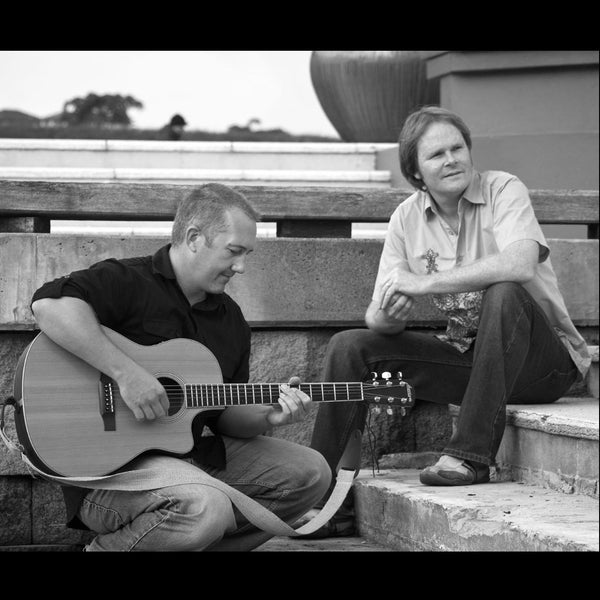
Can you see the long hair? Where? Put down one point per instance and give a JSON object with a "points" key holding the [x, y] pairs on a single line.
{"points": [[415, 126], [206, 208]]}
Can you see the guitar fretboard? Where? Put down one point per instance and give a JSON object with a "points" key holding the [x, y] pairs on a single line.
{"points": [[236, 394]]}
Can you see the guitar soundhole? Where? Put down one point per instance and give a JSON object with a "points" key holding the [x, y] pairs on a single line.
{"points": [[175, 394]]}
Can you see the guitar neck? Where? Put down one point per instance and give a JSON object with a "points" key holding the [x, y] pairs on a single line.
{"points": [[239, 394]]}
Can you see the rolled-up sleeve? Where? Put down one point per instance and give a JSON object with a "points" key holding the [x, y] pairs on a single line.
{"points": [[514, 218], [104, 286]]}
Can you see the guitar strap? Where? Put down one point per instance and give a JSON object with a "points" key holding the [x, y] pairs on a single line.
{"points": [[163, 471]]}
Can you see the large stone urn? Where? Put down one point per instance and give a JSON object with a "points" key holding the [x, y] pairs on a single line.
{"points": [[367, 94]]}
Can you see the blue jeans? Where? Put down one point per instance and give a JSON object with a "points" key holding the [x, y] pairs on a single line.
{"points": [[517, 358], [286, 478]]}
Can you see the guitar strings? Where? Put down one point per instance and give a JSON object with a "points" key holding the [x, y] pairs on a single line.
{"points": [[275, 385]]}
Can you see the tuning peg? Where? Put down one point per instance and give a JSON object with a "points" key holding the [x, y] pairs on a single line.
{"points": [[374, 374], [390, 411], [386, 374], [375, 410], [399, 375], [403, 411]]}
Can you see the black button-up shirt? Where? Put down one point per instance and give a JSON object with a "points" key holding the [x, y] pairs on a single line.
{"points": [[141, 299]]}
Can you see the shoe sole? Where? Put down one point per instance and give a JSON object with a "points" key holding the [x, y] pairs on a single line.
{"points": [[429, 478]]}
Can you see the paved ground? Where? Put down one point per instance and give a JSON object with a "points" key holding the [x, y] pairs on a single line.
{"points": [[349, 544]]}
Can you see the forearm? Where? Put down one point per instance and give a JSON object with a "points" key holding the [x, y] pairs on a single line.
{"points": [[517, 265], [244, 421], [249, 421], [72, 324]]}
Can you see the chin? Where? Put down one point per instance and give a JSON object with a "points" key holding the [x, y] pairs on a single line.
{"points": [[457, 186]]}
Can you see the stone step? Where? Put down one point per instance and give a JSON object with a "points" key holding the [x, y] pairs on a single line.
{"points": [[190, 155], [43, 548], [554, 446], [396, 511], [274, 177], [345, 544]]}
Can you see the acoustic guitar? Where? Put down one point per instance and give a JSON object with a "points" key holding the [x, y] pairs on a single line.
{"points": [[71, 420]]}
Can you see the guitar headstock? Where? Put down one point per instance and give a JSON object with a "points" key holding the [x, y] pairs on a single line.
{"points": [[386, 392]]}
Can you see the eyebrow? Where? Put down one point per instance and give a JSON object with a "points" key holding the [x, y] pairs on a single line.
{"points": [[442, 147]]}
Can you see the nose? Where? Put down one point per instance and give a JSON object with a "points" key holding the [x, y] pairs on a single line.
{"points": [[239, 264], [450, 158]]}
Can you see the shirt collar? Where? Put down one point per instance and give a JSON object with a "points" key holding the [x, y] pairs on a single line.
{"points": [[161, 263], [472, 194]]}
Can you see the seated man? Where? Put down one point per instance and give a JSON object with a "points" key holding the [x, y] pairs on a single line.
{"points": [[179, 292], [470, 242]]}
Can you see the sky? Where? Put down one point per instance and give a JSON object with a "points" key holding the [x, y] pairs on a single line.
{"points": [[211, 89]]}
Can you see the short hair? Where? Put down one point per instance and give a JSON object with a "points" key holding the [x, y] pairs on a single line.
{"points": [[206, 207], [415, 126]]}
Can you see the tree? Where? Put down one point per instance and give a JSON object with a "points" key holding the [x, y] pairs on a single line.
{"points": [[99, 110]]}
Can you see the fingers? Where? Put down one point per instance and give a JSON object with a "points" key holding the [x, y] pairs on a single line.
{"points": [[400, 306], [138, 413], [150, 410], [164, 402], [294, 403], [387, 293], [152, 406]]}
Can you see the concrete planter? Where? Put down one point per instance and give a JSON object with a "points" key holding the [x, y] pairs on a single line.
{"points": [[367, 94]]}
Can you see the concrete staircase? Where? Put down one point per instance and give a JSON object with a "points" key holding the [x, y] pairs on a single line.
{"points": [[542, 510], [543, 493]]}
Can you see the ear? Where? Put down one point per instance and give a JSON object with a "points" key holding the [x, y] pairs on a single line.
{"points": [[194, 240]]}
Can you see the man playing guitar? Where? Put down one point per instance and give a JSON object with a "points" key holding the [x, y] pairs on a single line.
{"points": [[179, 292]]}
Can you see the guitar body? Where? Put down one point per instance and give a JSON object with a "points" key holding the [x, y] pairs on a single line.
{"points": [[60, 422]]}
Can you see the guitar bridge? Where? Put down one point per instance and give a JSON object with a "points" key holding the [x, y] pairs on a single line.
{"points": [[107, 403]]}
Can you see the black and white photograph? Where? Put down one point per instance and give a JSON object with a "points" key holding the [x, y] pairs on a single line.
{"points": [[299, 301]]}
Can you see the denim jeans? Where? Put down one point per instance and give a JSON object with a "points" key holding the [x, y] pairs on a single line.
{"points": [[286, 478], [517, 358]]}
